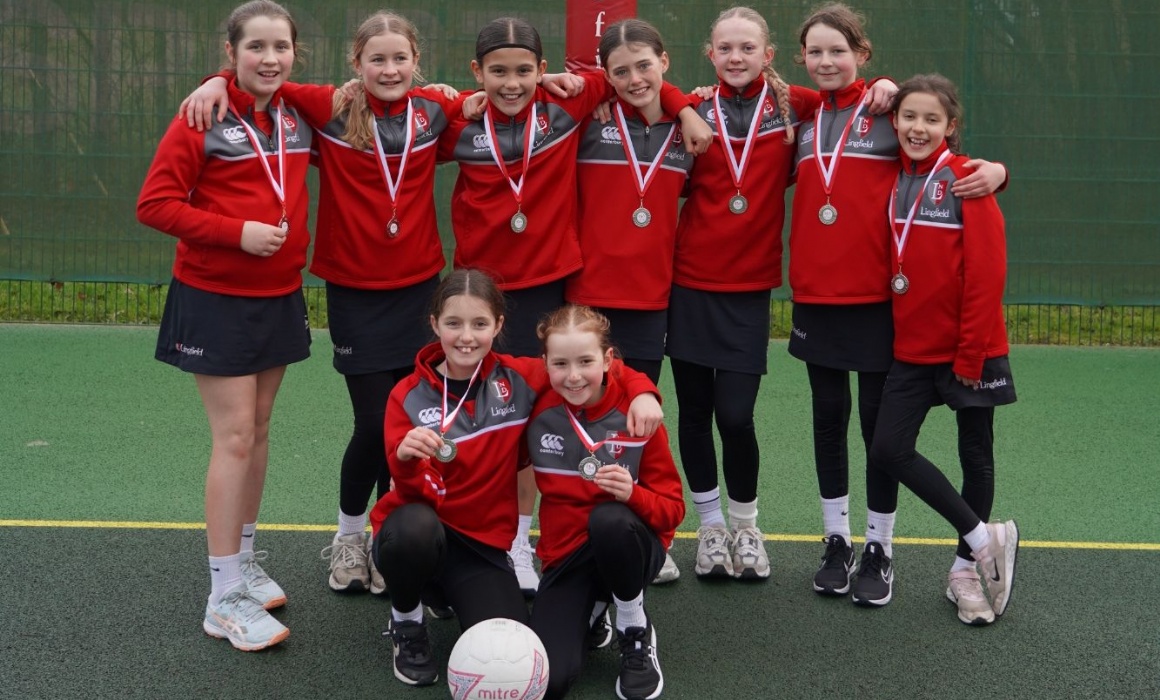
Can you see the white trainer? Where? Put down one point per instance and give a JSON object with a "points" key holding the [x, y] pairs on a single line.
{"points": [[669, 571], [749, 558], [522, 556], [714, 558], [240, 618], [965, 590], [347, 555]]}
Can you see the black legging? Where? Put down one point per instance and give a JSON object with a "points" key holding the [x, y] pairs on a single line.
{"points": [[905, 406], [830, 391], [364, 464], [702, 394], [622, 556], [415, 551]]}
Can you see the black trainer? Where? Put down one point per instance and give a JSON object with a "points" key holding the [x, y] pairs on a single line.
{"points": [[413, 662], [640, 671], [833, 576], [874, 580], [600, 634]]}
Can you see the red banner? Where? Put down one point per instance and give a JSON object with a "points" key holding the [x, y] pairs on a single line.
{"points": [[587, 20]]}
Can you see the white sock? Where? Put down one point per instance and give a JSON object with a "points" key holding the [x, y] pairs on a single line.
{"points": [[248, 537], [630, 613], [708, 505], [351, 524], [224, 574], [880, 529], [962, 564], [742, 514], [524, 528], [415, 615], [836, 517], [979, 538]]}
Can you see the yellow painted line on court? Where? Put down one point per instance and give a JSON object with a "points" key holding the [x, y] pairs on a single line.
{"points": [[294, 527]]}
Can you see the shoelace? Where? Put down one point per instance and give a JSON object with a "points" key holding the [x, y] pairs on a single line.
{"points": [[246, 606], [748, 540], [413, 644], [349, 555], [252, 571], [522, 556], [717, 539], [633, 649], [835, 556], [872, 563]]}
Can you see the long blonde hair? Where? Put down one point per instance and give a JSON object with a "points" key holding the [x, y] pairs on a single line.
{"points": [[359, 117], [779, 86]]}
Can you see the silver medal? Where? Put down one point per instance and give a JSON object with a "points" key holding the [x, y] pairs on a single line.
{"points": [[392, 227], [588, 467], [828, 214], [738, 203], [446, 451], [641, 217], [519, 222], [899, 284], [284, 224]]}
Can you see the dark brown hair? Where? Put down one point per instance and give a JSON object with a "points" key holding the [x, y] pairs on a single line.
{"points": [[471, 283], [846, 21], [629, 31], [507, 33], [948, 97], [236, 24]]}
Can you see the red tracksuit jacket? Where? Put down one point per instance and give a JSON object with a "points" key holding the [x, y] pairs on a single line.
{"points": [[956, 261], [848, 261], [566, 499], [627, 266], [717, 250], [203, 187]]}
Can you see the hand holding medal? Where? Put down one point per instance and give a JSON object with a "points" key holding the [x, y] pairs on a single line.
{"points": [[615, 480], [419, 443]]}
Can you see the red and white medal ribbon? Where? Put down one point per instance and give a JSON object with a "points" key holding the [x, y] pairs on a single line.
{"points": [[279, 184], [446, 419], [642, 181], [497, 154], [591, 445], [828, 174], [737, 167], [394, 184], [900, 239]]}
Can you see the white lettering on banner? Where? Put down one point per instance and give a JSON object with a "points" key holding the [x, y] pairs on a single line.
{"points": [[600, 23]]}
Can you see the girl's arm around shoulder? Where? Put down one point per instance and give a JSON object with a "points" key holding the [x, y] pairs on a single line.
{"points": [[163, 203], [644, 416], [314, 102]]}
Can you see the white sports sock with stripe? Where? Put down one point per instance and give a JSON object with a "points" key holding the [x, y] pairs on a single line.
{"points": [[708, 505]]}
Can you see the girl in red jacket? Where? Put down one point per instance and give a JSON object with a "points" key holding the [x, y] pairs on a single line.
{"points": [[949, 263], [235, 198], [609, 506], [377, 246], [839, 255], [453, 433]]}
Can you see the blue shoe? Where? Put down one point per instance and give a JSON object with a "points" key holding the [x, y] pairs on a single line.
{"points": [[240, 618]]}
